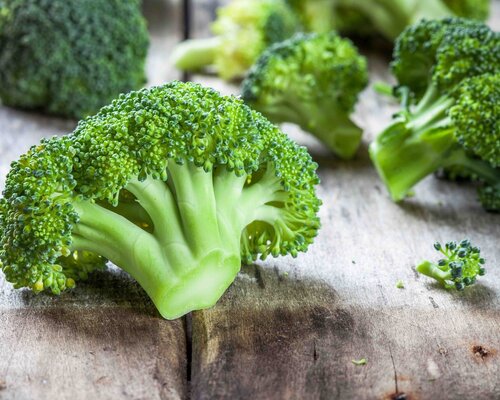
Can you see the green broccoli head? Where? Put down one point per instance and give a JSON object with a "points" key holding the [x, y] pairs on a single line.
{"points": [[453, 116], [243, 29], [460, 267], [70, 57], [312, 80], [177, 185]]}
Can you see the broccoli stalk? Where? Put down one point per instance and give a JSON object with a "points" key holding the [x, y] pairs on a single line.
{"points": [[460, 267], [326, 121], [177, 185], [193, 245], [312, 80], [422, 141], [194, 54]]}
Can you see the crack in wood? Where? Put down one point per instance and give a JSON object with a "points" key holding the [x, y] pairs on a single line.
{"points": [[394, 368]]}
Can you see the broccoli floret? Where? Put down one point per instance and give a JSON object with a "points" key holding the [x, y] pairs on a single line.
{"points": [[312, 80], [243, 29], [177, 185], [454, 121], [460, 267], [70, 57], [383, 17], [315, 15]]}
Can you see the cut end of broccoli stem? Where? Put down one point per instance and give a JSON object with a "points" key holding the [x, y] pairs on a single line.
{"points": [[207, 282], [341, 136], [195, 54]]}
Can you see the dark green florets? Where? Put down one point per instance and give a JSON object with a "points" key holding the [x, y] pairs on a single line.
{"points": [[140, 137], [312, 80], [70, 57], [444, 52], [476, 116], [460, 267]]}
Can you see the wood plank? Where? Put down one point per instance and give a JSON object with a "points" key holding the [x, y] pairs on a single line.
{"points": [[290, 328], [105, 339]]}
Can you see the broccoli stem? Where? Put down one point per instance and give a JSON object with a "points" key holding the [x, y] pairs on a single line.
{"points": [[325, 121], [479, 168], [191, 254], [433, 271], [193, 54], [338, 133], [420, 142]]}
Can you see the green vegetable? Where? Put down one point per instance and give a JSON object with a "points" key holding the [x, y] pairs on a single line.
{"points": [[474, 9], [460, 267], [177, 185], [400, 284], [449, 78], [243, 29], [362, 361], [312, 80], [70, 57], [381, 17]]}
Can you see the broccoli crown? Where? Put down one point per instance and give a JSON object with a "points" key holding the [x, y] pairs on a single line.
{"points": [[246, 28], [473, 9], [312, 80], [476, 116], [70, 57], [451, 117], [162, 182], [461, 265], [444, 52]]}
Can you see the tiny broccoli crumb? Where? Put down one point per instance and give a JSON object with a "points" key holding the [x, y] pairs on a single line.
{"points": [[361, 361], [400, 284]]}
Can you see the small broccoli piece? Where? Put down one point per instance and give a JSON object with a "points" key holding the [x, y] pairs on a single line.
{"points": [[243, 29], [452, 123], [460, 267], [177, 185], [312, 80], [70, 58]]}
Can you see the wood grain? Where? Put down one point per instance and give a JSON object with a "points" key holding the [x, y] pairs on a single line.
{"points": [[289, 329]]}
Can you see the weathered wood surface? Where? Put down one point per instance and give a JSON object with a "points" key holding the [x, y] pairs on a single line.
{"points": [[288, 328], [104, 340]]}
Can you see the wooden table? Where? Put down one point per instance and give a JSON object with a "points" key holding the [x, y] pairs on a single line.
{"points": [[287, 328]]}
